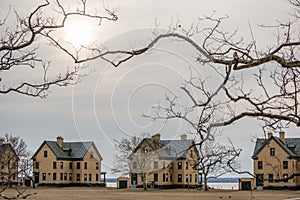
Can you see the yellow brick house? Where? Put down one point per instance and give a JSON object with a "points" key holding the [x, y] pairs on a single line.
{"points": [[276, 162], [8, 164], [165, 163], [67, 163]]}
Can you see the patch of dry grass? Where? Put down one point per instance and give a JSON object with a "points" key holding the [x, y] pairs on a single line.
{"points": [[77, 193]]}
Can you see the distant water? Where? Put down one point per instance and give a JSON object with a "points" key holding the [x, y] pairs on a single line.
{"points": [[214, 185], [111, 184], [223, 186]]}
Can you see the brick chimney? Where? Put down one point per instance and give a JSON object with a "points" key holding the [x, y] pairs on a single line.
{"points": [[183, 137], [156, 138], [282, 136], [270, 135], [1, 141], [59, 141]]}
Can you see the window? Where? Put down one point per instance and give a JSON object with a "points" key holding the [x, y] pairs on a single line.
{"points": [[179, 178], [85, 177], [14, 177], [97, 166], [134, 165], [61, 165], [270, 178], [45, 154], [285, 164], [90, 177], [54, 165], [167, 177], [196, 178], [54, 176], [145, 151], [171, 165], [171, 177], [44, 176], [70, 176], [97, 177], [14, 166], [61, 176], [164, 177], [77, 177], [272, 151], [65, 176], [260, 165], [186, 178], [78, 165], [70, 165], [37, 165], [191, 153], [186, 165], [190, 178], [155, 165], [155, 177], [179, 165], [85, 165], [285, 178], [91, 154]]}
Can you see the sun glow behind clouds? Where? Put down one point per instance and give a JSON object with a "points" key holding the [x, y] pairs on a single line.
{"points": [[80, 33]]}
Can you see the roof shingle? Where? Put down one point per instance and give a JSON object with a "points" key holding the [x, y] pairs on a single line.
{"points": [[170, 149], [69, 150]]}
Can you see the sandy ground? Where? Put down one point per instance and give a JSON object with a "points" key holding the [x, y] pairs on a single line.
{"points": [[154, 194]]}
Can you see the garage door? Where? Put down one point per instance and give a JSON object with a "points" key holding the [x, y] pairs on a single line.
{"points": [[123, 184], [246, 185]]}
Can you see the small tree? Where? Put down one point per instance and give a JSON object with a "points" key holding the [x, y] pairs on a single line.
{"points": [[216, 160], [16, 163], [141, 163], [20, 147], [124, 149], [9, 165], [129, 159]]}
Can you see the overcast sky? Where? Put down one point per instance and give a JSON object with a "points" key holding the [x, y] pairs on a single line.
{"points": [[108, 103]]}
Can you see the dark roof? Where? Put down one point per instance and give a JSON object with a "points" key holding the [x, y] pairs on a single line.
{"points": [[291, 146], [175, 148], [69, 150], [5, 147], [154, 145], [169, 149]]}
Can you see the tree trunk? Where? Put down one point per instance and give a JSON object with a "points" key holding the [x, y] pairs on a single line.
{"points": [[144, 181], [32, 180], [205, 182]]}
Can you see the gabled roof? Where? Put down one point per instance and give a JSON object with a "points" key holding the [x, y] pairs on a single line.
{"points": [[175, 148], [69, 150], [5, 147], [168, 149], [291, 146]]}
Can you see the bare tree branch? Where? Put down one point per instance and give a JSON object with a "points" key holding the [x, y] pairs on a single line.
{"points": [[15, 160], [18, 47]]}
